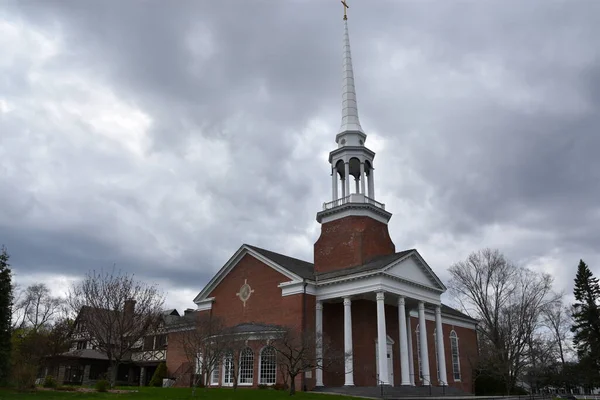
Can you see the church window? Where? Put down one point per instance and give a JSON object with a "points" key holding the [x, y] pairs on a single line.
{"points": [[247, 366], [228, 370], [455, 357], [214, 377], [419, 353], [267, 366]]}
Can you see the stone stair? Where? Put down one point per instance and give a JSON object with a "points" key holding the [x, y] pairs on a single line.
{"points": [[397, 392]]}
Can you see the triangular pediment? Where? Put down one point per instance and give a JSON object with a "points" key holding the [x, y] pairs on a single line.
{"points": [[412, 268], [233, 261]]}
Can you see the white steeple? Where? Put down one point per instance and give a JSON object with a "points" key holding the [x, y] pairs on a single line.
{"points": [[352, 171], [350, 120]]}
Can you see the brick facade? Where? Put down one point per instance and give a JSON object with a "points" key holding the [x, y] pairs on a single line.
{"points": [[351, 241]]}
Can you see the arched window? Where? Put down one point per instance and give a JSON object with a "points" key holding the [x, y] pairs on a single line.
{"points": [[419, 352], [246, 366], [455, 357], [267, 366]]}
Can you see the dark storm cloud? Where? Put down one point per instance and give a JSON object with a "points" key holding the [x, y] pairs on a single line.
{"points": [[161, 136]]}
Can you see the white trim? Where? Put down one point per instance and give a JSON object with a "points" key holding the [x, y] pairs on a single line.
{"points": [[352, 210], [205, 304], [377, 283], [424, 266], [446, 319], [240, 368], [232, 262], [297, 287]]}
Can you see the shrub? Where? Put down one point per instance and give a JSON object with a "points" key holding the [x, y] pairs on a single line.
{"points": [[50, 382], [102, 385], [263, 386], [159, 375], [280, 386]]}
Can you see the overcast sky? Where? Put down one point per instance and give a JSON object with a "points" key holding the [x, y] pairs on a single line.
{"points": [[160, 136]]}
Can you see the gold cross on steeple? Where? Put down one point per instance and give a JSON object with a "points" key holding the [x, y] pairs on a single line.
{"points": [[346, 6]]}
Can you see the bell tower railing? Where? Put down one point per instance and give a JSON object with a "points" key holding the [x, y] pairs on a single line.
{"points": [[353, 198]]}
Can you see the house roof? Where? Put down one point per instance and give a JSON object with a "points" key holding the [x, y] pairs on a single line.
{"points": [[447, 310], [303, 269]]}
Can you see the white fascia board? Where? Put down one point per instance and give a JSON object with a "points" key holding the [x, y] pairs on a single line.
{"points": [[375, 283], [446, 319], [365, 212], [232, 262], [206, 304], [297, 287]]}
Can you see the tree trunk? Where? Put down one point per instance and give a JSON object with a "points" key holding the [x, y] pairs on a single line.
{"points": [[112, 373], [292, 385]]}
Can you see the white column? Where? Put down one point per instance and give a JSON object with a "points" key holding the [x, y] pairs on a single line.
{"points": [[426, 378], [382, 340], [319, 338], [411, 357], [362, 178], [343, 188], [357, 187], [372, 183], [348, 365], [404, 368], [347, 174], [334, 184], [439, 337]]}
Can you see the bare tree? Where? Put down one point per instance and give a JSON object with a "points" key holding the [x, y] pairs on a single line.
{"points": [[204, 343], [116, 311], [557, 318], [509, 301], [296, 354], [35, 307]]}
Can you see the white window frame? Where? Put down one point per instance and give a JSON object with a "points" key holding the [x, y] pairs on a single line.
{"points": [[243, 364], [227, 379], [214, 376], [455, 366], [260, 375]]}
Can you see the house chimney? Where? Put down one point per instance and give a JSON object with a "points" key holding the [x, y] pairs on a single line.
{"points": [[129, 307], [188, 311]]}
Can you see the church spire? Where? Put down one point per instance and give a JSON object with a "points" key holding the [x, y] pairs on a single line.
{"points": [[350, 122]]}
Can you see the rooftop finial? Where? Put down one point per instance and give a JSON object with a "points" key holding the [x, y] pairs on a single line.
{"points": [[345, 7]]}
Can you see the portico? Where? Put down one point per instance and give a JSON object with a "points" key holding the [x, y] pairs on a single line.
{"points": [[391, 300]]}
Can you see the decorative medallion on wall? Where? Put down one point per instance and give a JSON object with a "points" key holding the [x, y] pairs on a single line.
{"points": [[245, 292]]}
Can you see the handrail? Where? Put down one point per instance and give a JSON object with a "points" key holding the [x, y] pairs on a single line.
{"points": [[352, 198]]}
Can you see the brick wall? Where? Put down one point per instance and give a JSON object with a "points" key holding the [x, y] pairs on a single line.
{"points": [[351, 241], [266, 305]]}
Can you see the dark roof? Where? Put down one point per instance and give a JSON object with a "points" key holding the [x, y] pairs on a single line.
{"points": [[303, 269], [375, 264], [454, 312]]}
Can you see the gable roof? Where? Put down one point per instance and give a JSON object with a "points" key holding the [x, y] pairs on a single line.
{"points": [[303, 269], [292, 268], [376, 263], [447, 310]]}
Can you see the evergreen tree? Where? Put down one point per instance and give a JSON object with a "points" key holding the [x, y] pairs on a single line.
{"points": [[5, 316], [586, 315]]}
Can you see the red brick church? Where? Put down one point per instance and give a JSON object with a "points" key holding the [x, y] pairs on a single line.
{"points": [[381, 305]]}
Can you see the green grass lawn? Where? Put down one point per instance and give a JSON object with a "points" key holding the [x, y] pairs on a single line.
{"points": [[172, 394]]}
